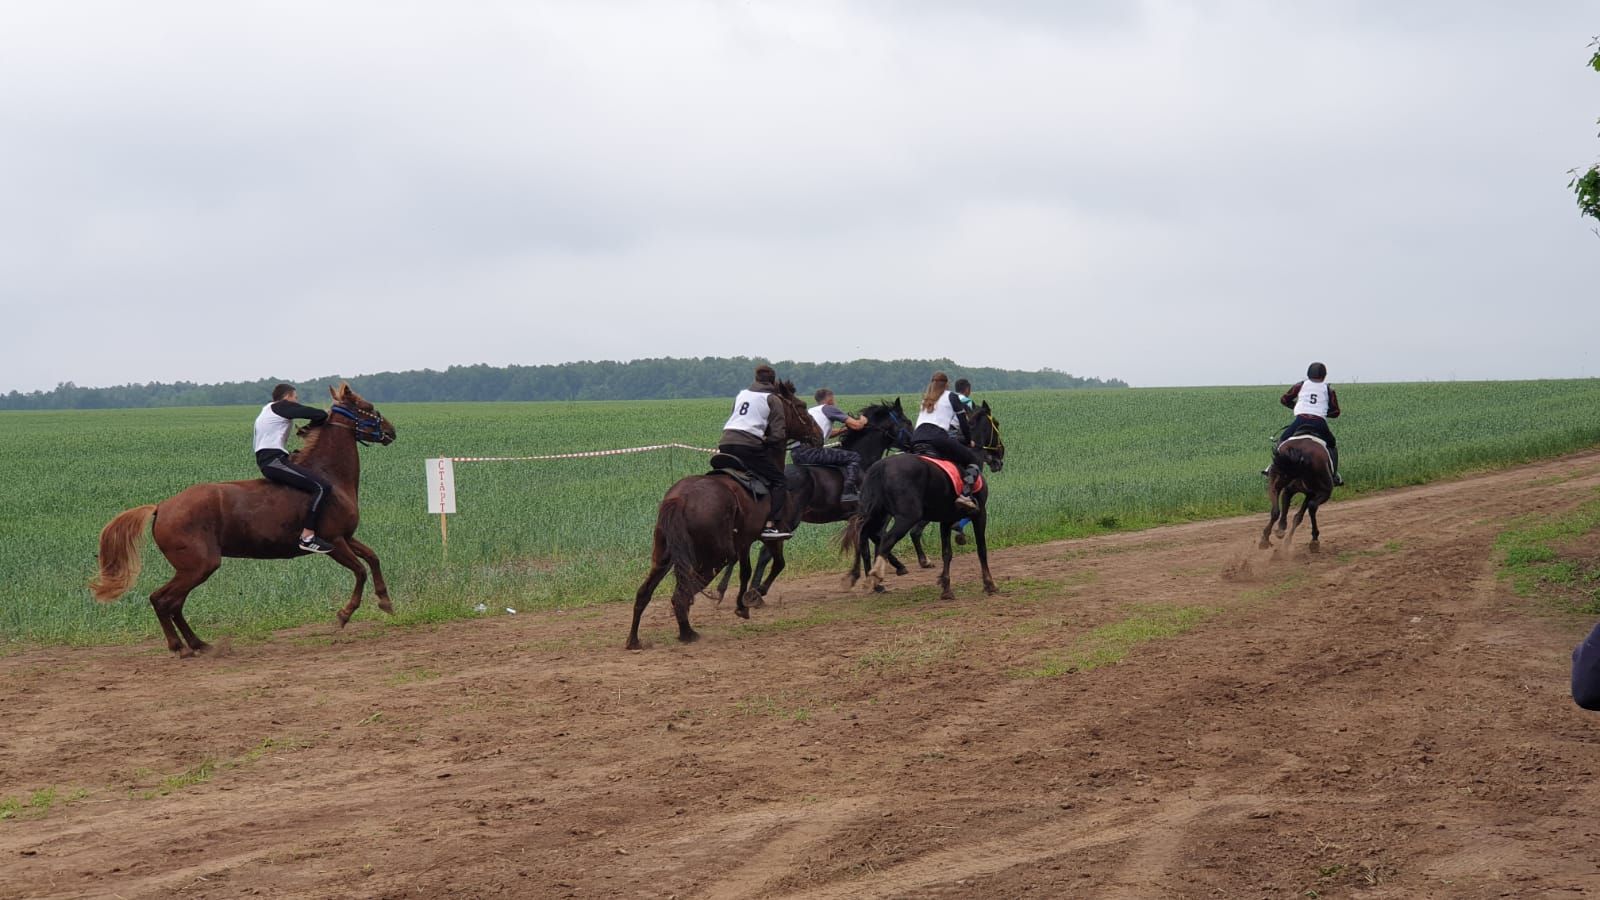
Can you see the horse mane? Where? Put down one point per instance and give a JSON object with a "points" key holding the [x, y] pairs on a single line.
{"points": [[312, 434]]}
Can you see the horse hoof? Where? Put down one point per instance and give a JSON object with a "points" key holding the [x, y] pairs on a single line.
{"points": [[1314, 547], [922, 564], [754, 600], [343, 617], [990, 587], [185, 653], [689, 637], [848, 582], [879, 589], [386, 606], [947, 595], [742, 612], [634, 644], [902, 570]]}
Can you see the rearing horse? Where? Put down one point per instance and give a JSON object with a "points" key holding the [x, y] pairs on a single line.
{"points": [[708, 521], [814, 491], [256, 519]]}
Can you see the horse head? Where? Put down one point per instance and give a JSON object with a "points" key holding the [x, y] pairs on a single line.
{"points": [[986, 434], [797, 423], [369, 425], [891, 419]]}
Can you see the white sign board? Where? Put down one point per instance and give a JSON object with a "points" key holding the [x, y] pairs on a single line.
{"points": [[441, 485]]}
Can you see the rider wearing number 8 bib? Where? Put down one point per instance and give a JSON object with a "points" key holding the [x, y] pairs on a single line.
{"points": [[756, 424], [1314, 403]]}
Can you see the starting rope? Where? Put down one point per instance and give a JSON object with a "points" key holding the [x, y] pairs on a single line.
{"points": [[586, 454]]}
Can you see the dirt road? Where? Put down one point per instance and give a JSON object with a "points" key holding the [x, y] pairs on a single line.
{"points": [[1383, 719]]}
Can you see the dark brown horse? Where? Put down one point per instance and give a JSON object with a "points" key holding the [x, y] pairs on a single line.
{"points": [[708, 521], [255, 519], [814, 491], [904, 491], [1300, 465], [995, 460]]}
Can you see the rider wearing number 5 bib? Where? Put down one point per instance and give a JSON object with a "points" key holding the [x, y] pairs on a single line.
{"points": [[756, 424], [1314, 403]]}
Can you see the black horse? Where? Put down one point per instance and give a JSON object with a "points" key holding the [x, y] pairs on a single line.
{"points": [[1300, 465], [814, 491], [995, 463], [909, 489]]}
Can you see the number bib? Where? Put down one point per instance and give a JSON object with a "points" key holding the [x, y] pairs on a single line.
{"points": [[750, 412], [1313, 400]]}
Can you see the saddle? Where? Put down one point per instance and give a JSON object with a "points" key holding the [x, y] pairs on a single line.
{"points": [[1303, 434], [951, 472], [731, 466]]}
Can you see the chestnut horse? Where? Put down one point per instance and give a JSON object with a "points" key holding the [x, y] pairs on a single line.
{"points": [[256, 519], [1300, 465], [708, 521]]}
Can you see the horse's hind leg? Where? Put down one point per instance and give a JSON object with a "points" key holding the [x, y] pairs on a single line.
{"points": [[742, 609], [344, 556], [722, 589], [1266, 533], [169, 606], [658, 571], [916, 544], [1297, 519], [1316, 535], [886, 548], [378, 583]]}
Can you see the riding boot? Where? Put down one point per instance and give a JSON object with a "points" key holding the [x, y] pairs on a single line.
{"points": [[969, 478], [852, 484], [1333, 457]]}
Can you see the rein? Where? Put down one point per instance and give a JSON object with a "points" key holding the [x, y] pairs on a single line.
{"points": [[368, 430], [994, 435]]}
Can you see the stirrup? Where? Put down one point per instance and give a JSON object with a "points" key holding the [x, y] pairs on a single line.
{"points": [[965, 501]]}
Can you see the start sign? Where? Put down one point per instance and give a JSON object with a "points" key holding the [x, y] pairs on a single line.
{"points": [[441, 485]]}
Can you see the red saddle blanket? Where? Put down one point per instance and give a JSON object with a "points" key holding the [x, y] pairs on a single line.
{"points": [[952, 472]]}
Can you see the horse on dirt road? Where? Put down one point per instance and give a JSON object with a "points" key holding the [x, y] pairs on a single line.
{"points": [[994, 453], [814, 491], [708, 521], [1300, 465], [256, 519], [910, 489]]}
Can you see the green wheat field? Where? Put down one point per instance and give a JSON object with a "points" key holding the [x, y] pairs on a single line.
{"points": [[533, 535]]}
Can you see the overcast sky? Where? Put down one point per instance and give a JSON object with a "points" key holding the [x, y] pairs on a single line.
{"points": [[1164, 192]]}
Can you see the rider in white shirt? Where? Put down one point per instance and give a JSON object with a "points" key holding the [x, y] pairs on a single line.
{"points": [[941, 412], [271, 434], [832, 422]]}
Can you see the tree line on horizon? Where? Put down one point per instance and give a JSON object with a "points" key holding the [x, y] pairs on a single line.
{"points": [[641, 379]]}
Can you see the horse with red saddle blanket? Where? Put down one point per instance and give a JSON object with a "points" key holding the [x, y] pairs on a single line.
{"points": [[909, 489]]}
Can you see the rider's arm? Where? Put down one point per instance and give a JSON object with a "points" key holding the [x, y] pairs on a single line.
{"points": [[1333, 404], [1292, 395], [775, 427], [855, 423], [961, 417], [291, 410], [1586, 671]]}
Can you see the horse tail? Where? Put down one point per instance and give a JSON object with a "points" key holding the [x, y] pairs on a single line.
{"points": [[119, 553], [852, 534], [869, 508], [673, 523]]}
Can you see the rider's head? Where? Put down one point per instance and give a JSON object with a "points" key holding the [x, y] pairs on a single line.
{"points": [[963, 387], [1317, 372], [765, 375], [283, 392], [936, 388], [823, 396]]}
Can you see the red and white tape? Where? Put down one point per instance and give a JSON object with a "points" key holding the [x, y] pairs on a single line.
{"points": [[587, 454]]}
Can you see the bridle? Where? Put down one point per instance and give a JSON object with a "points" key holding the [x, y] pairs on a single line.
{"points": [[368, 428], [995, 447]]}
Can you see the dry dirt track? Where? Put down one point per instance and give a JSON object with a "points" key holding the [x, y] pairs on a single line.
{"points": [[1382, 720]]}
